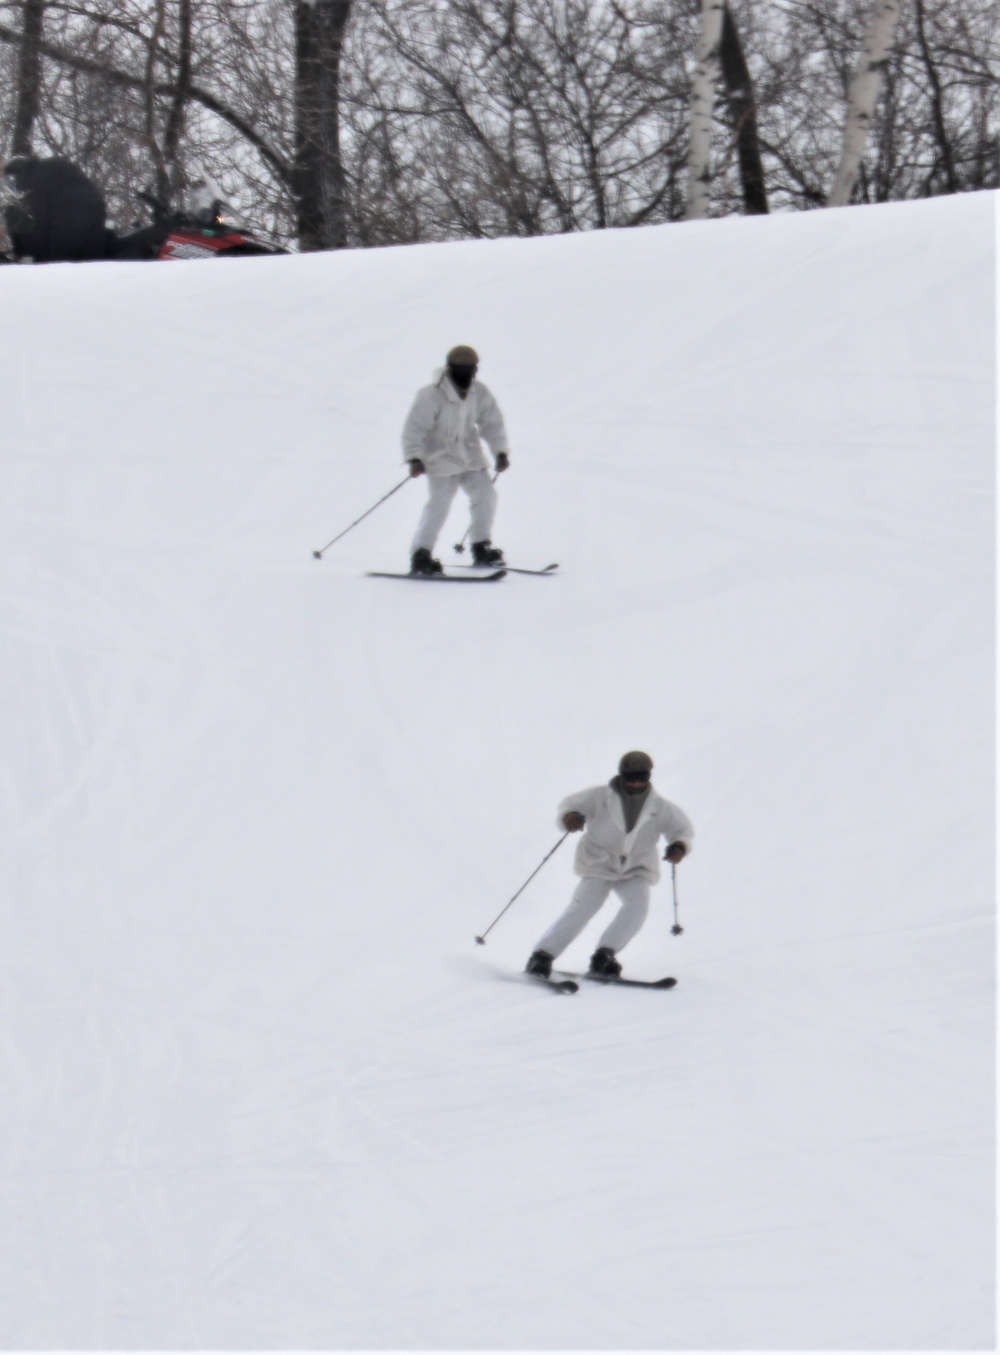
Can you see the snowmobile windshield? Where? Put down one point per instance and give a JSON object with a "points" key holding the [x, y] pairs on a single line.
{"points": [[210, 211], [223, 220], [228, 219]]}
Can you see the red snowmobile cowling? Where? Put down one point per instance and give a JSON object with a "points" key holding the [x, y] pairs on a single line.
{"points": [[188, 242], [176, 235]]}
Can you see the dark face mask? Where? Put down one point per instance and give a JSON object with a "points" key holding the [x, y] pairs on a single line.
{"points": [[462, 376]]}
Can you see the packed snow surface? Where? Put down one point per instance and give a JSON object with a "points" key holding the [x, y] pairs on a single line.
{"points": [[260, 1088]]}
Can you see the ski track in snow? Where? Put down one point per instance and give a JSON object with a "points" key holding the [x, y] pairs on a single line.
{"points": [[261, 1088]]}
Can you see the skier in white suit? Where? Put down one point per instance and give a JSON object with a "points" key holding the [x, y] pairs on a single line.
{"points": [[441, 437], [622, 823]]}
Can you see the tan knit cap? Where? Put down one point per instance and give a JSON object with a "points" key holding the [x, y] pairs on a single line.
{"points": [[463, 356], [635, 762]]}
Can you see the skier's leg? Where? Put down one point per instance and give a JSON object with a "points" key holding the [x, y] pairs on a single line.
{"points": [[587, 898], [440, 492], [482, 503], [634, 895]]}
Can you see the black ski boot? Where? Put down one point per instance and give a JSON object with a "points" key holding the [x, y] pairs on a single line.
{"points": [[423, 562], [485, 553], [604, 964], [540, 963]]}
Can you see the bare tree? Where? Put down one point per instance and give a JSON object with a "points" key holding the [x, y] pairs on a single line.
{"points": [[937, 100], [29, 76], [493, 117], [803, 55], [863, 96], [177, 108], [743, 116], [706, 74], [318, 176], [153, 93], [166, 92], [382, 121]]}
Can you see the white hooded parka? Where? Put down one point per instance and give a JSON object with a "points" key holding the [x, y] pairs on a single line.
{"points": [[606, 851], [443, 431]]}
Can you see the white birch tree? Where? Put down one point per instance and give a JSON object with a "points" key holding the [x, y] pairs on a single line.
{"points": [[862, 97], [706, 74]]}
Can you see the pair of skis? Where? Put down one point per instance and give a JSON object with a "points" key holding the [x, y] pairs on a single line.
{"points": [[470, 577], [561, 982]]}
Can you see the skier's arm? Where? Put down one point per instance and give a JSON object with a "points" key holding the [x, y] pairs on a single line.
{"points": [[677, 828], [491, 426], [579, 806], [418, 425]]}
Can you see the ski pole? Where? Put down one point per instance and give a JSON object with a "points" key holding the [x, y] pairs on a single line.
{"points": [[481, 940], [318, 554], [676, 929], [459, 546]]}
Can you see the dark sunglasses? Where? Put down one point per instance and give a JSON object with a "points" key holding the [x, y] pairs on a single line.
{"points": [[635, 776]]}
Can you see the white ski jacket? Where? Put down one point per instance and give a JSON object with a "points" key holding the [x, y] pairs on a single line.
{"points": [[442, 430], [606, 851]]}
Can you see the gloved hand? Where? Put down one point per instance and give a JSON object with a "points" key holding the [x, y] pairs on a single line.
{"points": [[573, 822], [503, 461], [675, 853], [416, 467]]}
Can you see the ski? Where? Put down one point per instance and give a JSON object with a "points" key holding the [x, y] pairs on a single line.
{"points": [[439, 578], [514, 569], [623, 982], [558, 985]]}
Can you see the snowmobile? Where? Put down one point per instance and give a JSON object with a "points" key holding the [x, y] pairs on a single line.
{"points": [[55, 213], [209, 232]]}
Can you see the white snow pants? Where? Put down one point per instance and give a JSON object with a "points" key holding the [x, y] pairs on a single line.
{"points": [[441, 490], [588, 897]]}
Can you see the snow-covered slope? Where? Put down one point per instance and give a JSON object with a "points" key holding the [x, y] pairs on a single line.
{"points": [[260, 1089]]}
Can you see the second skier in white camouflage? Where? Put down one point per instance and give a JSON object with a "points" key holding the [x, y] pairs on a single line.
{"points": [[622, 823], [441, 437]]}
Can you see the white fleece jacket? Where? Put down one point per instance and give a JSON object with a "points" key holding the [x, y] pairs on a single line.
{"points": [[443, 431], [606, 851]]}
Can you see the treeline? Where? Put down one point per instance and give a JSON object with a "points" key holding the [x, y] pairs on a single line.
{"points": [[369, 122]]}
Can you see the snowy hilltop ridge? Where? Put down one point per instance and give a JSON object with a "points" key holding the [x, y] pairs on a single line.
{"points": [[261, 1088]]}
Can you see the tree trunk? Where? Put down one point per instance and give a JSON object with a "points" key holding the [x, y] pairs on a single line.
{"points": [[702, 106], [743, 113], [318, 178], [863, 96], [152, 64], [178, 103], [937, 103], [28, 80]]}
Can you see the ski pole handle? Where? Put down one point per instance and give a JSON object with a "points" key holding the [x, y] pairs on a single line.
{"points": [[481, 940], [318, 554]]}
